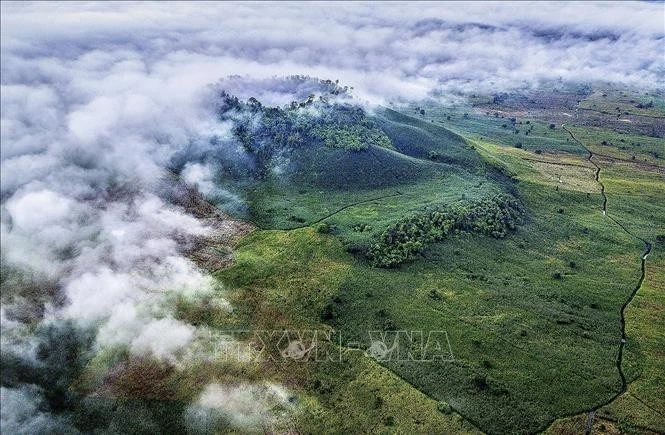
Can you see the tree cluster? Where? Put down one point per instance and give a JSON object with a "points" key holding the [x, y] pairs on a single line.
{"points": [[266, 132], [493, 216]]}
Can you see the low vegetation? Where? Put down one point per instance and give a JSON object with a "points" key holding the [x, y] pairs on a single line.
{"points": [[532, 318]]}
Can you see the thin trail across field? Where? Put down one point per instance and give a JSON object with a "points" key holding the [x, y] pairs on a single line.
{"points": [[622, 312], [331, 214], [556, 163], [638, 162], [590, 160], [641, 115]]}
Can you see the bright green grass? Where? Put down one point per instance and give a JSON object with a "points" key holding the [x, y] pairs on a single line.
{"points": [[284, 279], [614, 102], [358, 395], [285, 205], [473, 125], [385, 184], [543, 346], [643, 403], [623, 146], [635, 192], [527, 347]]}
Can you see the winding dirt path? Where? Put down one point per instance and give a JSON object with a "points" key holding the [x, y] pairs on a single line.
{"points": [[309, 224], [622, 311], [575, 165], [590, 160]]}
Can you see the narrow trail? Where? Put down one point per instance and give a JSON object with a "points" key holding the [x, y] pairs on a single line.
{"points": [[309, 224], [641, 115], [654, 410], [555, 163], [622, 311], [590, 160], [637, 162], [648, 430]]}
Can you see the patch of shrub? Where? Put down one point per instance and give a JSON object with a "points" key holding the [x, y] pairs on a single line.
{"points": [[491, 216], [357, 248], [324, 228], [444, 407], [480, 383], [436, 156], [389, 325], [361, 228], [267, 132], [434, 294], [294, 218], [328, 312]]}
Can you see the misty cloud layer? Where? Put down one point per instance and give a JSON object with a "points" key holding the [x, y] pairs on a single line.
{"points": [[98, 99], [384, 51]]}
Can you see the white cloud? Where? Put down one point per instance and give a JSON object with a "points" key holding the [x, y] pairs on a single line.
{"points": [[35, 210], [383, 49], [199, 176], [163, 339], [244, 406], [98, 98]]}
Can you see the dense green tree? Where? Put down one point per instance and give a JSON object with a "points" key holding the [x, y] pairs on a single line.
{"points": [[492, 216]]}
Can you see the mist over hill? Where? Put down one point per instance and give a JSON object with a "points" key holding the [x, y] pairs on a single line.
{"points": [[110, 108]]}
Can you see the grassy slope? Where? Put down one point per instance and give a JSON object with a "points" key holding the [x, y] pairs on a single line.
{"points": [[633, 191], [326, 180], [528, 348], [615, 102], [642, 405], [284, 280]]}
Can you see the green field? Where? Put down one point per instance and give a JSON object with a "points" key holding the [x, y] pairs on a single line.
{"points": [[532, 319], [463, 275]]}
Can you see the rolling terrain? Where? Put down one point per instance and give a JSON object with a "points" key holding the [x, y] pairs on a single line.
{"points": [[332, 218], [488, 267], [543, 323]]}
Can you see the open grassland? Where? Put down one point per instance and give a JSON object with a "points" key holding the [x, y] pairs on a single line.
{"points": [[642, 406], [610, 144], [285, 280], [359, 194], [532, 320], [616, 102], [518, 339]]}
